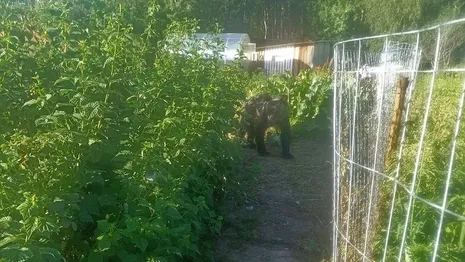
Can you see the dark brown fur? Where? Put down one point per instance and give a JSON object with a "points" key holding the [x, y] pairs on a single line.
{"points": [[261, 112]]}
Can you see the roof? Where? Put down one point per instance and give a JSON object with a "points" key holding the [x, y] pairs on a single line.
{"points": [[227, 37], [285, 45], [277, 43], [232, 41]]}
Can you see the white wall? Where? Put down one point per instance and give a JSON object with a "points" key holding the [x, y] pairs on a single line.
{"points": [[280, 54], [279, 60]]}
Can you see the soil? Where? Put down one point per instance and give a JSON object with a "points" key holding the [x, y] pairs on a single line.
{"points": [[284, 212]]}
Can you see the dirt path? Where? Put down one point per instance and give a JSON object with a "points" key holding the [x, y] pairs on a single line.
{"points": [[285, 211]]}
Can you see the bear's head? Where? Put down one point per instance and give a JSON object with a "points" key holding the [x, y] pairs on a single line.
{"points": [[277, 110]]}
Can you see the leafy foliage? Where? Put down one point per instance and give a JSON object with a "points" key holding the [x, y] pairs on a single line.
{"points": [[431, 180], [114, 135], [112, 146], [308, 96], [338, 19]]}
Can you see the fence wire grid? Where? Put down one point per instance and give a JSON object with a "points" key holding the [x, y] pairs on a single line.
{"points": [[399, 164]]}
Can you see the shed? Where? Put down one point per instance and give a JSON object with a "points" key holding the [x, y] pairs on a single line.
{"points": [[293, 56]]}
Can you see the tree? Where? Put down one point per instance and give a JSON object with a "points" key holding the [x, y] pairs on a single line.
{"points": [[338, 19]]}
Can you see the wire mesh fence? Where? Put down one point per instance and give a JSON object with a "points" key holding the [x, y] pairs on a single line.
{"points": [[399, 163]]}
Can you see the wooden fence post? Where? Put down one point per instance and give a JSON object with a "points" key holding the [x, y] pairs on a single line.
{"points": [[395, 124]]}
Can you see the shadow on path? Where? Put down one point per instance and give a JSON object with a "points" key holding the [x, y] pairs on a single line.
{"points": [[285, 212]]}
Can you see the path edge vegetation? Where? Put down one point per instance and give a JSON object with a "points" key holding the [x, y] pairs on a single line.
{"points": [[113, 145]]}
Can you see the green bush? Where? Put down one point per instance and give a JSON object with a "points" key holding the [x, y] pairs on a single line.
{"points": [[111, 145], [431, 180]]}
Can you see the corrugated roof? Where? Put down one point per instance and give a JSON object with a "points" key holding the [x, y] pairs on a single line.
{"points": [[260, 42], [285, 45]]}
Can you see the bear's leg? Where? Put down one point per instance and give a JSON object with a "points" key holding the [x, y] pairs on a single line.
{"points": [[260, 140], [251, 136], [285, 128]]}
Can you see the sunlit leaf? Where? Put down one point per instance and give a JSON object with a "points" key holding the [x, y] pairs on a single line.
{"points": [[31, 102]]}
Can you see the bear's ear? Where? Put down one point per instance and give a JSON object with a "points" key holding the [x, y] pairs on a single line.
{"points": [[283, 98]]}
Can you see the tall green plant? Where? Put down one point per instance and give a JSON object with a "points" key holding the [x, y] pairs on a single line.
{"points": [[431, 178], [112, 144], [308, 96]]}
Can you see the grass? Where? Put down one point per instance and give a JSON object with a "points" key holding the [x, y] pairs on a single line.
{"points": [[431, 178]]}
